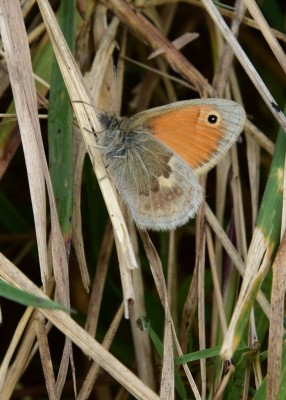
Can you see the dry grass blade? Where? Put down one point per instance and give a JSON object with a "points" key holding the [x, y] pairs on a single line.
{"points": [[253, 159], [9, 150], [218, 295], [77, 220], [167, 378], [189, 310], [200, 262], [178, 43], [276, 321], [45, 356], [99, 281], [13, 345], [142, 342], [240, 224], [93, 372], [259, 137]]}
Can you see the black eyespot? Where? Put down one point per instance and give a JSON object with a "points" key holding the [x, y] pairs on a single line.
{"points": [[212, 119]]}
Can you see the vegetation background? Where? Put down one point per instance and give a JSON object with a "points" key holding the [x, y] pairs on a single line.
{"points": [[184, 324]]}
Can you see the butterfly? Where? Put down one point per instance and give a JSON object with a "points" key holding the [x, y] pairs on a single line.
{"points": [[156, 156]]}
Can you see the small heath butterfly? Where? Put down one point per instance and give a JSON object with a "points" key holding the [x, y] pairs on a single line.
{"points": [[156, 156]]}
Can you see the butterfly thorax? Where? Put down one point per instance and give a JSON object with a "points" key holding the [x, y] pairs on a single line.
{"points": [[116, 140]]}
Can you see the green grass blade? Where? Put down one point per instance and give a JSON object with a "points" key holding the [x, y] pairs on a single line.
{"points": [[60, 128], [26, 299], [270, 212]]}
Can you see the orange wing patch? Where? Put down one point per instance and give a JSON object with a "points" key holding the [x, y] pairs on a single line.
{"points": [[195, 133]]}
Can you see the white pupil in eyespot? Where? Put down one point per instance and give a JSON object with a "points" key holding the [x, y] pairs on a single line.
{"points": [[212, 118]]}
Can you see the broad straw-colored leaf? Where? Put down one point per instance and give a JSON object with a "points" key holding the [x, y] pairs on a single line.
{"points": [[18, 59]]}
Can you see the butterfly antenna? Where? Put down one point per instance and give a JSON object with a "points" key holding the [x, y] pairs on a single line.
{"points": [[115, 97]]}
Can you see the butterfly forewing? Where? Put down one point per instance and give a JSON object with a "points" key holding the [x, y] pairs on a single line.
{"points": [[199, 131]]}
